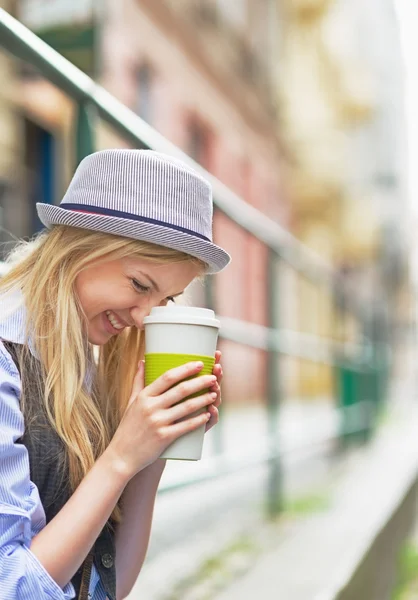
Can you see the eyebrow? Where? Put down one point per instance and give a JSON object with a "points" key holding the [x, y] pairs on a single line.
{"points": [[155, 286]]}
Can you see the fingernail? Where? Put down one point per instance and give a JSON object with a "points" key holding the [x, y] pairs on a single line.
{"points": [[214, 395], [198, 365]]}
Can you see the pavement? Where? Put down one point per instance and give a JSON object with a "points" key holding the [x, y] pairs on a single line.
{"points": [[319, 555], [407, 576], [211, 540], [195, 523]]}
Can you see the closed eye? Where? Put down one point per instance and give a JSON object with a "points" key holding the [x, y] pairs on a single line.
{"points": [[143, 289]]}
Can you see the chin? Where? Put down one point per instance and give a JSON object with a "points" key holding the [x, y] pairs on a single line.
{"points": [[98, 338]]}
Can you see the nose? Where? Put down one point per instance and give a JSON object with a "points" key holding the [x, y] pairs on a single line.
{"points": [[138, 313]]}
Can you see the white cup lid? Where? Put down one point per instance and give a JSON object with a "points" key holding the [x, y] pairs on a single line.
{"points": [[189, 315]]}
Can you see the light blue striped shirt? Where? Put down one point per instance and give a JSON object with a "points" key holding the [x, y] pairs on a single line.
{"points": [[22, 577]]}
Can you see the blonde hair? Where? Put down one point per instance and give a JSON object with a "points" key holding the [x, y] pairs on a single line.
{"points": [[45, 270]]}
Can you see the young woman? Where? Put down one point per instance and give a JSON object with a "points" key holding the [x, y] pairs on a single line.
{"points": [[80, 435]]}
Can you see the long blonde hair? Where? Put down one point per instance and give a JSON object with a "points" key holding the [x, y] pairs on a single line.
{"points": [[85, 417]]}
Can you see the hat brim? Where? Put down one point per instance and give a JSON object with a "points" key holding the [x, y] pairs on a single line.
{"points": [[215, 257]]}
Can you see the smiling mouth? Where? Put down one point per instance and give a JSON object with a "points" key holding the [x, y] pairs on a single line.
{"points": [[114, 321]]}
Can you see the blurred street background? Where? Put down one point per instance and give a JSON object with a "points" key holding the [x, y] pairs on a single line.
{"points": [[304, 114]]}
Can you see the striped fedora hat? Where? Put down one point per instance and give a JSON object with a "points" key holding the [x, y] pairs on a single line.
{"points": [[144, 195]]}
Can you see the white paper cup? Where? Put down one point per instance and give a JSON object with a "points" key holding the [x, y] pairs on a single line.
{"points": [[175, 335]]}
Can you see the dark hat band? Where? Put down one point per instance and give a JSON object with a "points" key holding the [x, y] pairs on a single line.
{"points": [[98, 210]]}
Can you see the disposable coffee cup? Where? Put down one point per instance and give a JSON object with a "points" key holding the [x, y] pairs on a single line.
{"points": [[176, 335]]}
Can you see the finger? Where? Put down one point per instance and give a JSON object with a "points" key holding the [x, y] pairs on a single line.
{"points": [[218, 400], [214, 417], [187, 408], [218, 355], [216, 388], [218, 372], [173, 376], [186, 388], [187, 425]]}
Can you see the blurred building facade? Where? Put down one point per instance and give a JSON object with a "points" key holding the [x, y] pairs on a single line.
{"points": [[341, 95], [34, 119], [12, 219]]}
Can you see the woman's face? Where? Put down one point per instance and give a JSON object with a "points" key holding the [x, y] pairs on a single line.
{"points": [[120, 293]]}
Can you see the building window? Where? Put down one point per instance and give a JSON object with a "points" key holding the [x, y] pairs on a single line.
{"points": [[145, 78], [40, 151], [199, 142]]}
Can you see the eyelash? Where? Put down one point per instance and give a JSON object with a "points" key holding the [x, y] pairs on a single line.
{"points": [[143, 289]]}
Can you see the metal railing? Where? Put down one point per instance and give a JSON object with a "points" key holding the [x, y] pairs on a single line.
{"points": [[359, 378]]}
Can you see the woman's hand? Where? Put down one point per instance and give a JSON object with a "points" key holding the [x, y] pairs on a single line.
{"points": [[216, 389], [151, 420]]}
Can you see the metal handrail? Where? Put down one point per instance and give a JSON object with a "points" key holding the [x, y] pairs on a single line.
{"points": [[294, 343]]}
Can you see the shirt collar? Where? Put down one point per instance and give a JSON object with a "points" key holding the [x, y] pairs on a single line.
{"points": [[13, 326], [13, 320]]}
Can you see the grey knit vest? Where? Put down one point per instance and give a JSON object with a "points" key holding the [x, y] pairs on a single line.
{"points": [[49, 472]]}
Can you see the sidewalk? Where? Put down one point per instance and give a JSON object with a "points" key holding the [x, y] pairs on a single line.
{"points": [[194, 524], [322, 553], [206, 536]]}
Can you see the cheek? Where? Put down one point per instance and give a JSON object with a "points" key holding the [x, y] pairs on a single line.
{"points": [[87, 301], [94, 296], [98, 293], [81, 288]]}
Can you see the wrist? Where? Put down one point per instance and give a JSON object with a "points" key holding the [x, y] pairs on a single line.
{"points": [[115, 466]]}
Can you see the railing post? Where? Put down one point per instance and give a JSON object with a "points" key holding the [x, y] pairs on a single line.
{"points": [[217, 432], [344, 377], [84, 142], [275, 477]]}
